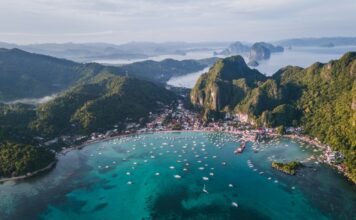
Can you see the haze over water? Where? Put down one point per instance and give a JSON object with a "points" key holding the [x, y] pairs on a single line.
{"points": [[162, 176], [297, 56]]}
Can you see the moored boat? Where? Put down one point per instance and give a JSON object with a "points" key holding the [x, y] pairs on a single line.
{"points": [[240, 149]]}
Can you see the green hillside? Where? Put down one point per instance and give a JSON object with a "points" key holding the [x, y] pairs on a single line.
{"points": [[162, 71], [321, 98], [99, 104], [17, 158], [14, 122], [92, 97], [96, 105]]}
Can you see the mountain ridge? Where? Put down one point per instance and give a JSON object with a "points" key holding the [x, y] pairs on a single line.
{"points": [[31, 75]]}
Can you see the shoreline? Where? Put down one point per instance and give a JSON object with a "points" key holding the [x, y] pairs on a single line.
{"points": [[30, 174], [304, 138], [86, 143], [324, 148], [307, 139]]}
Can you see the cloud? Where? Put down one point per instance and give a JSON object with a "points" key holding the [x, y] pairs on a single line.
{"points": [[169, 20]]}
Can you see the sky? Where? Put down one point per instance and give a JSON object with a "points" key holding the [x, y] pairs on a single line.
{"points": [[121, 21]]}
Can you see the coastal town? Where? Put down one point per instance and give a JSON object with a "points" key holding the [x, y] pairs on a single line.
{"points": [[177, 117], [180, 118]]}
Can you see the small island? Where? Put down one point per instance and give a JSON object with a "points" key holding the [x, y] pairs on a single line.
{"points": [[288, 168]]}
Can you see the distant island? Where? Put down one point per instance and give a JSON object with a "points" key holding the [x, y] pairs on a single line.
{"points": [[89, 52], [317, 42], [256, 52], [234, 48], [262, 51]]}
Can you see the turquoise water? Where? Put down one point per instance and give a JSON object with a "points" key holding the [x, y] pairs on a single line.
{"points": [[136, 177]]}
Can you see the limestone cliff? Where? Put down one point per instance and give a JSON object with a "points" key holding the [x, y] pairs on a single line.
{"points": [[226, 83]]}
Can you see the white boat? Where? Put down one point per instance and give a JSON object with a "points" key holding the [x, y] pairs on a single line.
{"points": [[234, 204], [177, 176]]}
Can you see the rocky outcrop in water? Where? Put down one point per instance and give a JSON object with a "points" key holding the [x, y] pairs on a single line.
{"points": [[262, 51], [234, 48]]}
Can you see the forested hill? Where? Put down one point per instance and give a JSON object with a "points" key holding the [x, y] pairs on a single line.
{"points": [[101, 103], [106, 100], [28, 75], [93, 97], [162, 71], [95, 105], [321, 98]]}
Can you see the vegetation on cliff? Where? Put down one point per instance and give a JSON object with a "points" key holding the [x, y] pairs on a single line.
{"points": [[226, 84], [320, 98]]}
